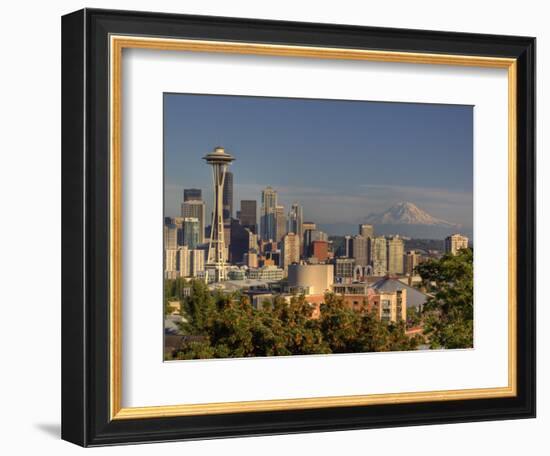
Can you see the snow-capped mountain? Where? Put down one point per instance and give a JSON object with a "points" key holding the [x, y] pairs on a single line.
{"points": [[405, 213]]}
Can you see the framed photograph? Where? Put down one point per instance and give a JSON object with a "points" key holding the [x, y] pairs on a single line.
{"points": [[277, 227]]}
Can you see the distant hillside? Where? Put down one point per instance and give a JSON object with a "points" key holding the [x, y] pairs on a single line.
{"points": [[412, 231]]}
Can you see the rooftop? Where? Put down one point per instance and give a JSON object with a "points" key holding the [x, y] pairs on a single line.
{"points": [[415, 298]]}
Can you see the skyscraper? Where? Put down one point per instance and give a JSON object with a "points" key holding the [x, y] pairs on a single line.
{"points": [[195, 209], [228, 197], [307, 227], [170, 236], [240, 241], [296, 221], [367, 231], [178, 221], [192, 194], [184, 262], [280, 223], [171, 263], [455, 242], [359, 248], [247, 214], [267, 215], [379, 256], [219, 159], [348, 246], [191, 232], [396, 247], [310, 236], [196, 262], [290, 251]]}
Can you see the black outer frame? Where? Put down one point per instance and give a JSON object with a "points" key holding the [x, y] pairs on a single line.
{"points": [[85, 225]]}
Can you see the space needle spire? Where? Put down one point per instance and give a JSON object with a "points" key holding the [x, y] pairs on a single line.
{"points": [[219, 159]]}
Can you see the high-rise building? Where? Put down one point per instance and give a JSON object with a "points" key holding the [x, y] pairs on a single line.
{"points": [[170, 236], [367, 231], [227, 239], [309, 226], [192, 194], [396, 247], [219, 159], [191, 232], [280, 223], [178, 221], [412, 260], [290, 251], [195, 209], [359, 250], [228, 197], [250, 259], [252, 241], [267, 215], [196, 262], [455, 242], [313, 235], [171, 263], [296, 220], [184, 263], [348, 246], [319, 250], [379, 256], [247, 214], [306, 227], [240, 241]]}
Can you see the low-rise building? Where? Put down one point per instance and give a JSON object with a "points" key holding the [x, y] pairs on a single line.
{"points": [[258, 300], [415, 298], [386, 305], [267, 273], [343, 269], [236, 274], [389, 306]]}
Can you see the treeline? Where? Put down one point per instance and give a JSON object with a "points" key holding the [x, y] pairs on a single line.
{"points": [[231, 327]]}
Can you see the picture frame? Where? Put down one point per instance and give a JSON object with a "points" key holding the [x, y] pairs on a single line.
{"points": [[92, 366]]}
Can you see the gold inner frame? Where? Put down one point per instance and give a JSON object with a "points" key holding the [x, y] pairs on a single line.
{"points": [[117, 44]]}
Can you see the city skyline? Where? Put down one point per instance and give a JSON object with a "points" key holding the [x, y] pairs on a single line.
{"points": [[345, 193]]}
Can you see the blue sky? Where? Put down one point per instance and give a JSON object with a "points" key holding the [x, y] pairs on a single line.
{"points": [[340, 159]]}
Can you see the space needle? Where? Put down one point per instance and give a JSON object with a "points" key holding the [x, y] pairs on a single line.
{"points": [[215, 265]]}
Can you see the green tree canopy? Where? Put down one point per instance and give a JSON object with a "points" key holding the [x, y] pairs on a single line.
{"points": [[229, 326], [448, 313]]}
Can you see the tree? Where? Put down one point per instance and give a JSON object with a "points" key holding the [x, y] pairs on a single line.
{"points": [[225, 326], [448, 313], [359, 331], [414, 317], [196, 308]]}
